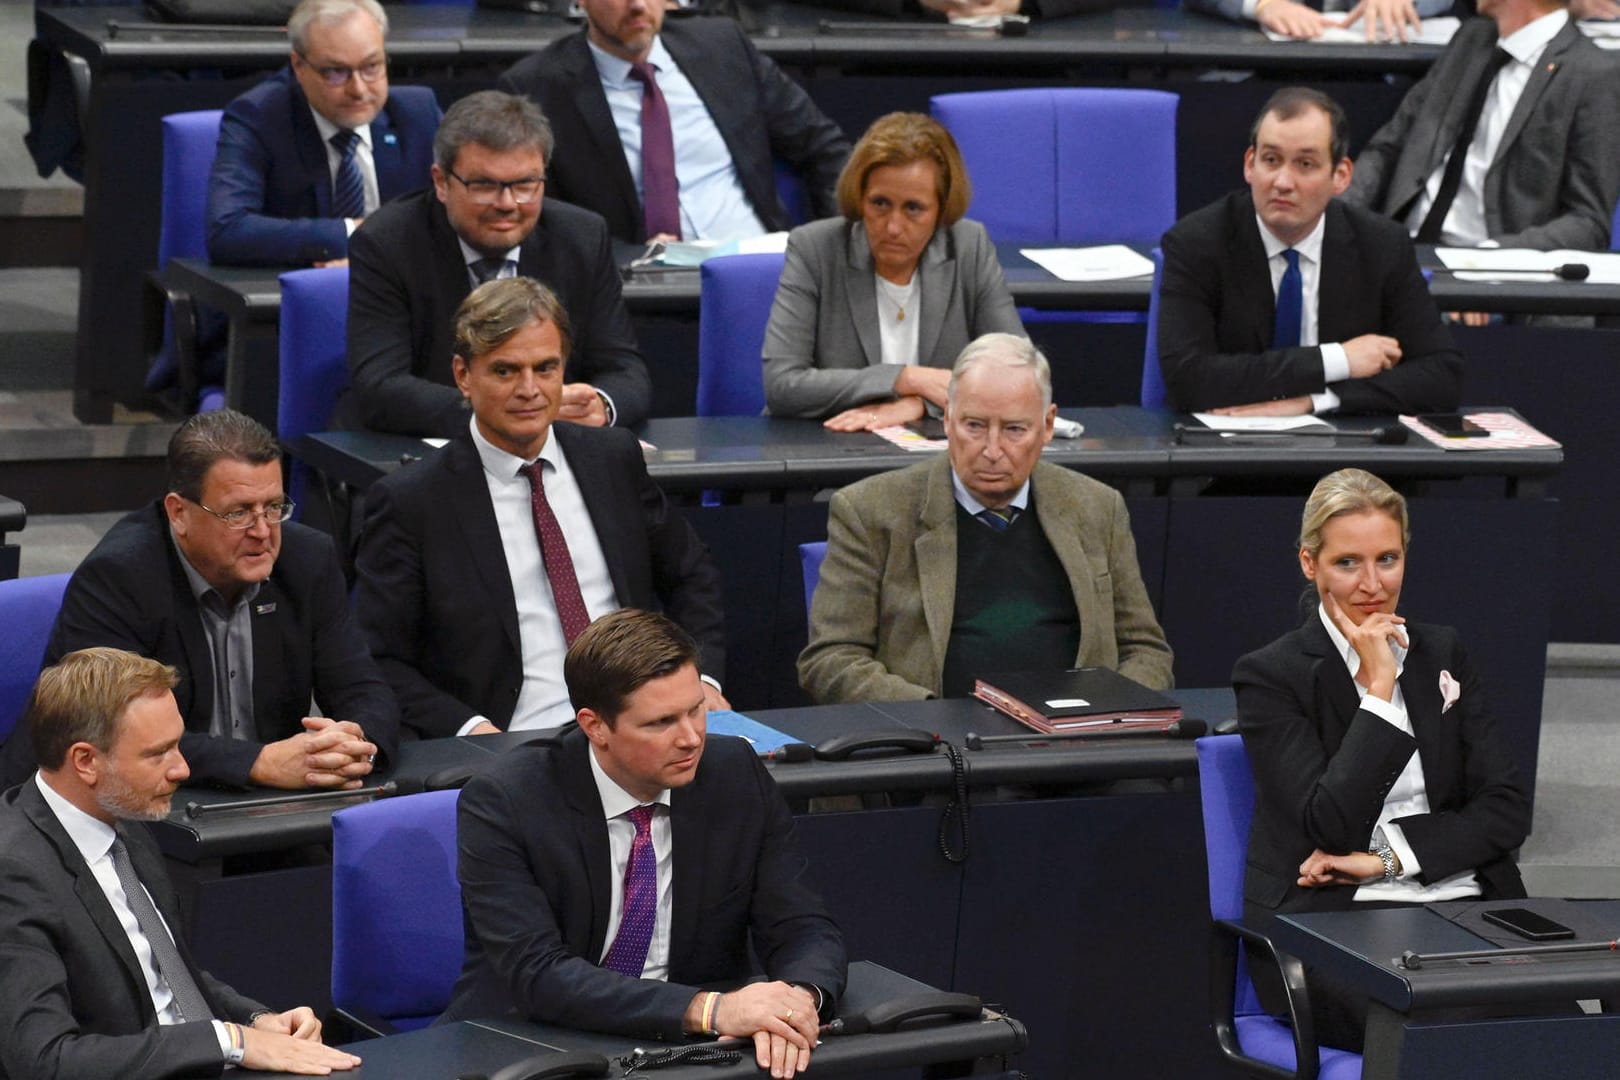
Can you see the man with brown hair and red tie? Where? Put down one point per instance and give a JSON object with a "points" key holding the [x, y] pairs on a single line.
{"points": [[616, 875], [702, 120], [480, 565]]}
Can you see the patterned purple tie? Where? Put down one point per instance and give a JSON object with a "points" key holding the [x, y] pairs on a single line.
{"points": [[554, 553], [660, 193], [628, 956]]}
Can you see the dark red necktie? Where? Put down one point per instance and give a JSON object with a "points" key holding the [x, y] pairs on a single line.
{"points": [[554, 553], [660, 193]]}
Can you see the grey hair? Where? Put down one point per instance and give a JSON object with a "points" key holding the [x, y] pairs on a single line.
{"points": [[1004, 350], [493, 119], [329, 11]]}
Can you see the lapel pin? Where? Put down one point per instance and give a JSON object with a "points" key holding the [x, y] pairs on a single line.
{"points": [[264, 609], [390, 138]]}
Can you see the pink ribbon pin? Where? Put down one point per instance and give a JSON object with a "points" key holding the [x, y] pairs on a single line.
{"points": [[1450, 691]]}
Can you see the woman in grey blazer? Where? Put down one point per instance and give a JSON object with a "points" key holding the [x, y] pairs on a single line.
{"points": [[873, 307]]}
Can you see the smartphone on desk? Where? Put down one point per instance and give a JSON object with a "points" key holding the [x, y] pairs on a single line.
{"points": [[1454, 425], [1527, 924]]}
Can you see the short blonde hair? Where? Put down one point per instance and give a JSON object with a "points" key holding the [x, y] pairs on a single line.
{"points": [[901, 138], [1350, 491], [83, 697]]}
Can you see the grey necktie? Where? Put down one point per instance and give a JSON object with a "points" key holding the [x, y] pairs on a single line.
{"points": [[188, 1000], [487, 270]]}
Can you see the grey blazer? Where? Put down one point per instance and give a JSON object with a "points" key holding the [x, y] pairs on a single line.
{"points": [[1553, 182], [881, 618], [823, 353]]}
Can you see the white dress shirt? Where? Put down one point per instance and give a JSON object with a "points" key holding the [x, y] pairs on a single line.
{"points": [[713, 203], [470, 255], [899, 309], [362, 158], [1407, 798], [616, 803], [1335, 365], [543, 700], [1465, 221], [965, 499], [94, 839]]}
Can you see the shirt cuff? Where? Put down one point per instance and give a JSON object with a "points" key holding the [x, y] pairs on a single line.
{"points": [[1325, 402], [1385, 711], [1396, 839], [230, 1054], [1335, 364], [1248, 9], [466, 729], [349, 225]]}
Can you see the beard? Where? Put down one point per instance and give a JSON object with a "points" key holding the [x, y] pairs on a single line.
{"points": [[119, 798]]}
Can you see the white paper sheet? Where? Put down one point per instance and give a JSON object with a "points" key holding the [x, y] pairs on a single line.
{"points": [[1259, 423], [1109, 262], [1435, 31]]}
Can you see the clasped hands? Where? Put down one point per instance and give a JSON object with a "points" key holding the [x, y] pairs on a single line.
{"points": [[1355, 868], [327, 754], [1382, 20], [779, 1017], [290, 1042], [915, 386], [1367, 355]]}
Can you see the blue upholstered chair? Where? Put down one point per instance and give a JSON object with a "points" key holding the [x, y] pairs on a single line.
{"points": [[189, 141], [28, 608], [396, 911], [735, 306], [1250, 1038], [1154, 394], [810, 558], [314, 366]]}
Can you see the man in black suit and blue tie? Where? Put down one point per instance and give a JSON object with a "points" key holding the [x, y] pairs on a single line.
{"points": [[306, 154], [1282, 300]]}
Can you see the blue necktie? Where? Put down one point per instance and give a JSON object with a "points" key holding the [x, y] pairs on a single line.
{"points": [[1290, 305], [348, 189], [999, 520], [628, 954]]}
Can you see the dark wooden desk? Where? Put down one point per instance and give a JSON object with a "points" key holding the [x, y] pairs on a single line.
{"points": [[487, 1045], [1406, 1039], [1063, 907], [13, 516]]}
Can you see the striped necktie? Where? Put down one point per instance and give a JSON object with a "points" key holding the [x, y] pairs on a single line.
{"points": [[349, 188]]}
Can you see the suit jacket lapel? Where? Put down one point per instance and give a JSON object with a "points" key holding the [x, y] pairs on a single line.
{"points": [[385, 156], [862, 293], [265, 612], [596, 487], [590, 829], [88, 890], [199, 709], [1339, 281], [474, 514], [449, 267], [312, 159], [1060, 523], [596, 120], [1420, 688], [937, 269], [935, 551], [691, 850], [1337, 699], [1541, 77], [1251, 280]]}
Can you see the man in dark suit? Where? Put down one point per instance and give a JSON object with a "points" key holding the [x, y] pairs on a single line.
{"points": [[249, 607], [97, 979], [609, 872], [1281, 300], [480, 564], [1537, 130], [729, 114], [416, 259], [310, 151]]}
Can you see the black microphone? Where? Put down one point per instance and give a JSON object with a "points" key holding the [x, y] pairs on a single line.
{"points": [[790, 752], [1186, 728], [1382, 435], [404, 785], [1574, 272], [1414, 961]]}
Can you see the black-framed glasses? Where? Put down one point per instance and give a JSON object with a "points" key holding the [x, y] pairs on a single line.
{"points": [[336, 75], [488, 192], [244, 517]]}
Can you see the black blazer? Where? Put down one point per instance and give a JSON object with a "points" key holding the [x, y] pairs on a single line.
{"points": [[1216, 310], [131, 593], [270, 192], [761, 113], [407, 276], [435, 598], [1323, 767], [533, 862], [75, 1003]]}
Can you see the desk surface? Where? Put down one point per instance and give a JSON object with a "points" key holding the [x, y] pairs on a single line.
{"points": [[124, 37], [487, 1045], [1362, 948], [222, 831]]}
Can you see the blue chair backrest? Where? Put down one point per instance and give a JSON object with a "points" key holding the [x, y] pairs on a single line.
{"points": [[810, 558], [189, 140], [397, 939], [737, 293], [314, 349], [28, 608], [1154, 394], [1069, 166], [1226, 789]]}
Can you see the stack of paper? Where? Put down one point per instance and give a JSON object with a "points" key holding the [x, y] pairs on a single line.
{"points": [[1521, 264]]}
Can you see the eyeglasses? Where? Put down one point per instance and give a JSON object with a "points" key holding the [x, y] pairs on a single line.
{"points": [[337, 75], [488, 192], [245, 518]]}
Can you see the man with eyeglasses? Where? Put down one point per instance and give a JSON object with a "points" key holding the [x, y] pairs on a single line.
{"points": [[487, 217], [306, 154], [251, 610]]}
